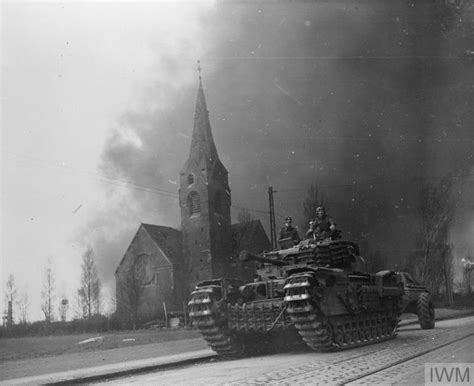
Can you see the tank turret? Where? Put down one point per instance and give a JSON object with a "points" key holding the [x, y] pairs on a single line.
{"points": [[327, 253]]}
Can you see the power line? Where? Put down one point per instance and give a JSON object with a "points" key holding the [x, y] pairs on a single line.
{"points": [[147, 190], [355, 57], [401, 139], [112, 180], [121, 183], [257, 211], [391, 180]]}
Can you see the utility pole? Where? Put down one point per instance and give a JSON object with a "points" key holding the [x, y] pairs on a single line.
{"points": [[273, 238]]}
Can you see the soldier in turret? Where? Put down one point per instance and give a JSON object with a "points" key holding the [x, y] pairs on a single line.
{"points": [[322, 227], [289, 231]]}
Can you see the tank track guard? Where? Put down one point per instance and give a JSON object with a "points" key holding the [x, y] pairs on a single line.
{"points": [[207, 314]]}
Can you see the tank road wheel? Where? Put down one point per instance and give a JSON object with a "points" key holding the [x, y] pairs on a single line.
{"points": [[222, 342], [336, 332], [425, 311], [317, 335]]}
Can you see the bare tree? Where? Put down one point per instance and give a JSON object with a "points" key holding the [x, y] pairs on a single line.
{"points": [[437, 211], [89, 292], [110, 304], [11, 292], [131, 288], [314, 198], [23, 304], [47, 294], [77, 307], [432, 264]]}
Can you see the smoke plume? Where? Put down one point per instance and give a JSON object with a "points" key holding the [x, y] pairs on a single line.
{"points": [[368, 100]]}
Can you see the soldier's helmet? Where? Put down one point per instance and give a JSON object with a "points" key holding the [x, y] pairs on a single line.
{"points": [[288, 219], [320, 210]]}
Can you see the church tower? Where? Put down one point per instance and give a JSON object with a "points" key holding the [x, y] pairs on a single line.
{"points": [[204, 196]]}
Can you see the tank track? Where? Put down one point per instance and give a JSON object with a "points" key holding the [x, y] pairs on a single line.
{"points": [[205, 315], [322, 333]]}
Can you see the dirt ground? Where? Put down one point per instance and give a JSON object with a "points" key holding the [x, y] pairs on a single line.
{"points": [[36, 347]]}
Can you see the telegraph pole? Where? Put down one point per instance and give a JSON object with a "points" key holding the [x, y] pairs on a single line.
{"points": [[273, 237]]}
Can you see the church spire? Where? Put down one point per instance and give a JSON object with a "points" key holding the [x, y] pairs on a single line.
{"points": [[204, 196], [202, 144]]}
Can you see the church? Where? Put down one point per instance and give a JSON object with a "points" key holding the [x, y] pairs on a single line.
{"points": [[162, 265]]}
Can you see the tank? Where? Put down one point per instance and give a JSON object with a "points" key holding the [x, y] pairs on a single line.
{"points": [[311, 293]]}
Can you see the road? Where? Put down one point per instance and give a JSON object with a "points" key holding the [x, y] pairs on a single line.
{"points": [[396, 361]]}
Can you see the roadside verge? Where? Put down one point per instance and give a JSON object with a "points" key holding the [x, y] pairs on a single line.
{"points": [[154, 357], [114, 370]]}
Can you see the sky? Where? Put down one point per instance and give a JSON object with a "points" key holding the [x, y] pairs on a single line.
{"points": [[369, 101], [69, 72]]}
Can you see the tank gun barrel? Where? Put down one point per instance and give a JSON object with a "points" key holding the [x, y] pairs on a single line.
{"points": [[247, 256]]}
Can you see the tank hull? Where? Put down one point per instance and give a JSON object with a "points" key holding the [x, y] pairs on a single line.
{"points": [[355, 310], [325, 308]]}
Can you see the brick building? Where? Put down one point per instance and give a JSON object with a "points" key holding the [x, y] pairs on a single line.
{"points": [[163, 264]]}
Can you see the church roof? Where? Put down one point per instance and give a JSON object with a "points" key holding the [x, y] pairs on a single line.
{"points": [[168, 239], [250, 236]]}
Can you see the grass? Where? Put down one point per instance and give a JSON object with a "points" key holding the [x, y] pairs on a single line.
{"points": [[35, 347]]}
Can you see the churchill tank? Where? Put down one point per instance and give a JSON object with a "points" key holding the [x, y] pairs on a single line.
{"points": [[312, 293]]}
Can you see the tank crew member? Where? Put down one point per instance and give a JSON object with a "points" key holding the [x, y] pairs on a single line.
{"points": [[289, 231], [322, 227]]}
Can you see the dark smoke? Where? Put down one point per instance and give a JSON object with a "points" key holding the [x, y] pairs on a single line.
{"points": [[369, 100]]}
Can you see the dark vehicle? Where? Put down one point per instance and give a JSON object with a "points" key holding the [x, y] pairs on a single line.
{"points": [[307, 291], [417, 300]]}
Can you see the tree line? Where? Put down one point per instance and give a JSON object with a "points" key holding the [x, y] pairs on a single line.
{"points": [[430, 262], [431, 259], [88, 301]]}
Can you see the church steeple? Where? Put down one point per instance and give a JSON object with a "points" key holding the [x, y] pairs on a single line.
{"points": [[202, 144], [203, 150], [205, 202]]}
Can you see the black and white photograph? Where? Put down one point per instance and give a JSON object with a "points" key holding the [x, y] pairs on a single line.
{"points": [[237, 192]]}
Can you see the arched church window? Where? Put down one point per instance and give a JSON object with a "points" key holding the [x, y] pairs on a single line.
{"points": [[190, 179], [194, 203]]}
